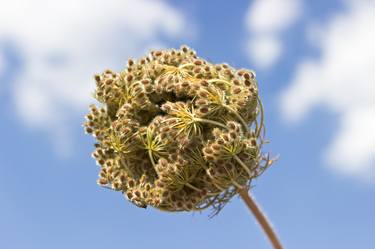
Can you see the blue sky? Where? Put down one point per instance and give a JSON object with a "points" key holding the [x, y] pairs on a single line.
{"points": [[314, 63]]}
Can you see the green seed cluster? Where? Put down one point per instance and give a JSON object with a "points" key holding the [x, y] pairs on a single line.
{"points": [[177, 132]]}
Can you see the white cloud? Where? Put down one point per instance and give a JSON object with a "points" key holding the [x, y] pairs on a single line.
{"points": [[265, 21], [272, 15], [264, 50], [63, 43], [354, 145], [342, 80]]}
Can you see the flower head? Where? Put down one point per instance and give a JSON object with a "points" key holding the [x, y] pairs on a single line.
{"points": [[177, 132]]}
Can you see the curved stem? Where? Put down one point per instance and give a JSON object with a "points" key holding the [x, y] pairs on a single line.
{"points": [[250, 202], [199, 190], [260, 217], [238, 116], [186, 65], [220, 81], [259, 129], [151, 158], [208, 121], [192, 187], [243, 165]]}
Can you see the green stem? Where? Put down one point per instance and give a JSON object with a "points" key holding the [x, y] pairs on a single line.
{"points": [[243, 165], [151, 158], [202, 120], [235, 156], [221, 81], [257, 133], [238, 116]]}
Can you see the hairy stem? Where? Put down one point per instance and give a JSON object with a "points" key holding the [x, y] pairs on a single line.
{"points": [[260, 217]]}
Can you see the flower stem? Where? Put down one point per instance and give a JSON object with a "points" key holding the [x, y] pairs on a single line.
{"points": [[208, 121], [243, 165], [151, 158], [192, 187], [260, 128], [238, 116], [260, 217]]}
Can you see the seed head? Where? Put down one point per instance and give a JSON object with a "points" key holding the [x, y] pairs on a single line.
{"points": [[177, 132]]}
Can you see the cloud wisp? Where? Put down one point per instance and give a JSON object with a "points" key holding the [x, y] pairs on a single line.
{"points": [[63, 43], [265, 21], [342, 80], [2, 64]]}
